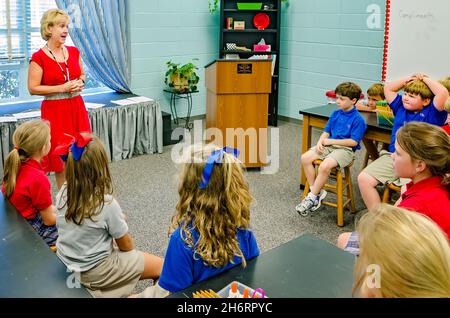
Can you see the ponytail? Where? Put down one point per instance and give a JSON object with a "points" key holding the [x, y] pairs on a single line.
{"points": [[10, 171]]}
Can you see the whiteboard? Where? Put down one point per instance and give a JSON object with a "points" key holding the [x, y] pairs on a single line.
{"points": [[417, 38]]}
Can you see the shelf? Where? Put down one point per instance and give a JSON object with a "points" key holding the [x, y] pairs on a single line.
{"points": [[260, 10], [251, 31], [249, 52]]}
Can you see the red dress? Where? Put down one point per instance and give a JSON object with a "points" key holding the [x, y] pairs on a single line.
{"points": [[65, 115]]}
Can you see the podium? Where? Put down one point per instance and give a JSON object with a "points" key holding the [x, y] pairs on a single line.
{"points": [[237, 105]]}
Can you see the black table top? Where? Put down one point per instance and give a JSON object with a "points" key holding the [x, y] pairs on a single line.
{"points": [[325, 111], [304, 267], [28, 268], [173, 91]]}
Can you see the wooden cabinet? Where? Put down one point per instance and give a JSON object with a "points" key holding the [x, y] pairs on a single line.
{"points": [[250, 36]]}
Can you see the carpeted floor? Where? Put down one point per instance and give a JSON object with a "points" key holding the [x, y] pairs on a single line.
{"points": [[145, 187]]}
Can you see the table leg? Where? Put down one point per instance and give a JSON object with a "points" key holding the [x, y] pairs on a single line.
{"points": [[172, 107], [371, 149], [189, 98], [306, 144]]}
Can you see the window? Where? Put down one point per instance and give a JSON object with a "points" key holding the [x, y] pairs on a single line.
{"points": [[20, 37]]}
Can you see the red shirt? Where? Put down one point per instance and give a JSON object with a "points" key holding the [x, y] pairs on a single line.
{"points": [[446, 128], [32, 191], [429, 197]]}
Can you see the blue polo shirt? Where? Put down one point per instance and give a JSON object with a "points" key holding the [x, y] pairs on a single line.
{"points": [[346, 125], [429, 114], [182, 268]]}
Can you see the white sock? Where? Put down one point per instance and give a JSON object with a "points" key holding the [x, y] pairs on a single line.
{"points": [[312, 196]]}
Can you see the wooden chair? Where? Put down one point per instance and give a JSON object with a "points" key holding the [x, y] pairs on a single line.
{"points": [[387, 192], [344, 198]]}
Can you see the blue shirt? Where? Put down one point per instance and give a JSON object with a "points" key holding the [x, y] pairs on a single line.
{"points": [[429, 114], [346, 125], [182, 269]]}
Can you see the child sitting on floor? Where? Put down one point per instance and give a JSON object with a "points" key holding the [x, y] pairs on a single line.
{"points": [[210, 232], [90, 222], [24, 182], [403, 255], [336, 146]]}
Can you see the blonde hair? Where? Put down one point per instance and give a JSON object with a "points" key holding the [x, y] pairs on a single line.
{"points": [[446, 83], [412, 253], [376, 89], [49, 19], [418, 87], [88, 181], [216, 212], [428, 143], [28, 139]]}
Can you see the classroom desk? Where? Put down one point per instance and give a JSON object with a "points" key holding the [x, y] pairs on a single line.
{"points": [[318, 117], [28, 268], [304, 267]]}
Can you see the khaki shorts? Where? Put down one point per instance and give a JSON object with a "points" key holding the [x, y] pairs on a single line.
{"points": [[343, 155], [382, 169], [115, 276]]}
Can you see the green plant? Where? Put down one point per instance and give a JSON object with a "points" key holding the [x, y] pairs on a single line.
{"points": [[182, 78], [213, 5]]}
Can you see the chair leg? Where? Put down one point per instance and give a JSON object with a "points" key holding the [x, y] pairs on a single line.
{"points": [[340, 199], [348, 179], [366, 160], [305, 190], [386, 195]]}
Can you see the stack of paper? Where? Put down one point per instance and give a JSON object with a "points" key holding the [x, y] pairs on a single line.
{"points": [[140, 99], [123, 102], [31, 114]]}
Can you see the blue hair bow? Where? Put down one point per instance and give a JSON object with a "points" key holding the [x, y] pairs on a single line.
{"points": [[75, 145], [215, 157]]}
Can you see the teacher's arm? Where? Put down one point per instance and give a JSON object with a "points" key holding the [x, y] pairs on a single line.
{"points": [[35, 74]]}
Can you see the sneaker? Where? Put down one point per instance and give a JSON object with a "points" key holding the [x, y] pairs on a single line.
{"points": [[319, 200], [305, 206]]}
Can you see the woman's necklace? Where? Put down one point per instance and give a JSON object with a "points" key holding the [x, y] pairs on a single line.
{"points": [[66, 76]]}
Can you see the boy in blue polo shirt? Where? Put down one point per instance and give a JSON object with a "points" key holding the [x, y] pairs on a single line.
{"points": [[423, 100], [336, 146]]}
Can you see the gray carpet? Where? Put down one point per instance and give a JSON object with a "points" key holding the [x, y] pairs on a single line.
{"points": [[145, 187]]}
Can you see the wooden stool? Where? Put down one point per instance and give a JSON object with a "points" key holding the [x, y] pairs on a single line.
{"points": [[343, 181], [387, 192]]}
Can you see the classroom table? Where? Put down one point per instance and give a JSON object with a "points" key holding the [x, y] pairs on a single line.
{"points": [[125, 130], [318, 116], [28, 268], [304, 267]]}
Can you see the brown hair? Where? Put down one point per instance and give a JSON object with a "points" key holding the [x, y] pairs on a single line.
{"points": [[28, 139], [349, 89], [216, 212], [376, 89], [411, 252], [446, 83], [88, 181], [418, 87], [49, 19], [429, 143]]}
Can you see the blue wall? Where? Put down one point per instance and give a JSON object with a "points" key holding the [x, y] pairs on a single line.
{"points": [[324, 42], [177, 30]]}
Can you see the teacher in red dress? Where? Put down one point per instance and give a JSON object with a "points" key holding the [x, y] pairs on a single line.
{"points": [[56, 72]]}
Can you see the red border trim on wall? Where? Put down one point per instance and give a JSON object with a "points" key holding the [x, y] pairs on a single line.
{"points": [[386, 40]]}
